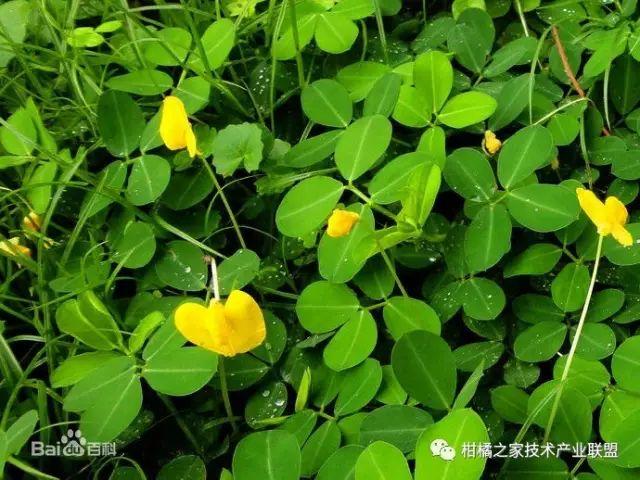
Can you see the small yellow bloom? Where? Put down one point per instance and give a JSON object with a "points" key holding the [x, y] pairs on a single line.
{"points": [[175, 128], [341, 222], [236, 326], [32, 222], [491, 143], [12, 247], [555, 164], [609, 217]]}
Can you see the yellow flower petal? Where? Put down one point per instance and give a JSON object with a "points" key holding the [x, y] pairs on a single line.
{"points": [[246, 324], [192, 321], [491, 143], [14, 248], [175, 129], [236, 326], [341, 222], [594, 209], [609, 217], [32, 222], [622, 235], [616, 211]]}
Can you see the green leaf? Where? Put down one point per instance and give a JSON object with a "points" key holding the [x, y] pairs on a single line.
{"points": [[183, 467], [335, 33], [136, 247], [194, 93], [412, 108], [382, 461], [120, 122], [297, 216], [285, 47], [625, 91], [14, 16], [564, 128], [19, 136], [148, 179], [320, 445], [181, 266], [355, 9], [572, 423], [113, 412], [87, 319], [426, 368], [624, 364], [626, 435], [323, 306], [467, 109], [471, 38], [538, 259], [523, 153], [597, 341], [540, 342], [512, 100], [481, 298], [470, 175], [141, 82], [182, 371], [238, 270], [433, 78], [398, 425], [390, 183], [272, 455], [383, 96], [432, 142], [470, 387], [532, 308], [543, 207], [360, 77], [187, 188], [39, 186], [359, 387], [144, 329], [533, 468], [620, 255], [458, 427], [312, 150], [20, 431], [217, 42], [328, 103], [404, 314], [237, 145], [488, 238], [361, 145], [516, 52], [468, 355], [171, 47], [340, 465], [353, 343], [338, 261], [510, 403], [75, 368], [569, 288], [423, 187]]}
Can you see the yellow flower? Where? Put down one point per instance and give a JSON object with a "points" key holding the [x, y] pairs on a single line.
{"points": [[491, 144], [175, 128], [609, 217], [32, 222], [341, 222], [12, 247], [236, 326]]}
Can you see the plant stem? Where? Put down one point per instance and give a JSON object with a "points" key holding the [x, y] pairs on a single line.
{"points": [[296, 42], [225, 394], [576, 339]]}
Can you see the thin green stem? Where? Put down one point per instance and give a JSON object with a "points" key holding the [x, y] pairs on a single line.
{"points": [[225, 393], [523, 21], [296, 42], [393, 272], [367, 200], [576, 339]]}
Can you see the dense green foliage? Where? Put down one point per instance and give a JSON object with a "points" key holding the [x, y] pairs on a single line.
{"points": [[447, 311]]}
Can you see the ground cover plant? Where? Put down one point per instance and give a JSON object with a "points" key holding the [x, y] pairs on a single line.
{"points": [[352, 239]]}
